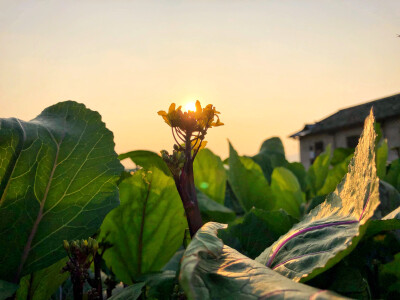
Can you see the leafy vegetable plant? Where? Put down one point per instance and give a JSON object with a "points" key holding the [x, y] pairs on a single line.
{"points": [[189, 225]]}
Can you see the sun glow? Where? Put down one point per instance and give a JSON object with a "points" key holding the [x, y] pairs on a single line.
{"points": [[189, 106]]}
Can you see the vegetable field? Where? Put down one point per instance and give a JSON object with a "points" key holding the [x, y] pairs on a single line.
{"points": [[75, 225]]}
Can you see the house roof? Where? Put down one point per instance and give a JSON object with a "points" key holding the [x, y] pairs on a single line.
{"points": [[383, 109]]}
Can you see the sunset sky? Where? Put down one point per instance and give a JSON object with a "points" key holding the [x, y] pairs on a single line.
{"points": [[268, 66]]}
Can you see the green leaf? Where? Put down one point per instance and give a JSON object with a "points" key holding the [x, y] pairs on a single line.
{"points": [[340, 154], [147, 228], [231, 200], [146, 159], [390, 275], [131, 292], [273, 145], [334, 176], [248, 182], [331, 230], [381, 158], [393, 215], [7, 289], [300, 172], [314, 202], [393, 174], [42, 284], [213, 211], [175, 261], [160, 285], [379, 133], [58, 180], [271, 155], [388, 223], [318, 171], [391, 222], [211, 270], [258, 231], [210, 175], [286, 191], [389, 197], [345, 280]]}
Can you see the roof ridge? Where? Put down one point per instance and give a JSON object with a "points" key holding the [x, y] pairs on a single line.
{"points": [[369, 102], [353, 115]]}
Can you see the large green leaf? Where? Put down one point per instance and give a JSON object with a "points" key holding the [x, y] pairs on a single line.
{"points": [[58, 175], [318, 171], [147, 228], [258, 231], [42, 284], [211, 270], [286, 191], [271, 155], [248, 182], [332, 229], [146, 159], [210, 175], [7, 289], [213, 211]]}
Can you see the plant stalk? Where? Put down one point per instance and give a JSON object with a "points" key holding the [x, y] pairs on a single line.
{"points": [[97, 275], [187, 191], [77, 284]]}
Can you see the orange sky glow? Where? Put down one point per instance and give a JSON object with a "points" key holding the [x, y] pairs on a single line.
{"points": [[269, 67]]}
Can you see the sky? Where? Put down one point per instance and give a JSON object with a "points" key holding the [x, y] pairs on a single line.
{"points": [[269, 67]]}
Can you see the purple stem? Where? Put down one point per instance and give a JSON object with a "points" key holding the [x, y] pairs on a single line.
{"points": [[313, 228], [304, 231], [365, 206]]}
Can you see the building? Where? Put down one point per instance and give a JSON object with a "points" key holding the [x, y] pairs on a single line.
{"points": [[342, 129]]}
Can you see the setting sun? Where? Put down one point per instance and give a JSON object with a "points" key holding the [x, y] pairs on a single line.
{"points": [[189, 106]]}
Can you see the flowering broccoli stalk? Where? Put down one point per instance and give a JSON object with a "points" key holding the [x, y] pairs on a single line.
{"points": [[188, 129]]}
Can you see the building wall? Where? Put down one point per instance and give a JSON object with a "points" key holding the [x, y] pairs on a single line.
{"points": [[341, 136], [390, 128], [391, 131], [307, 146]]}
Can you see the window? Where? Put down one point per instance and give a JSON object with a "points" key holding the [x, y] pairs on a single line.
{"points": [[311, 154], [316, 150], [319, 148], [352, 141]]}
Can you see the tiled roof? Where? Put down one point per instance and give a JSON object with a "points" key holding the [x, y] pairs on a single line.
{"points": [[353, 116]]}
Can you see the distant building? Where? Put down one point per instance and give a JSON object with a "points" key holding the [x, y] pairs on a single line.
{"points": [[343, 129]]}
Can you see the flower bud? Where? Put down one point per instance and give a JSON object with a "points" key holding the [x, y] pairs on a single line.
{"points": [[73, 245], [66, 245]]}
